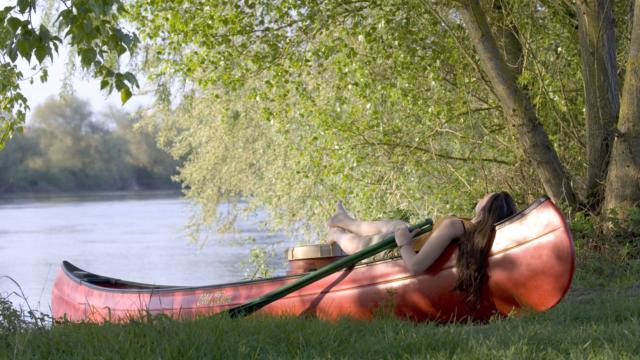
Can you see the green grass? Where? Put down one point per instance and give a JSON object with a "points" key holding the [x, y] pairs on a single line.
{"points": [[598, 319], [604, 325], [587, 324]]}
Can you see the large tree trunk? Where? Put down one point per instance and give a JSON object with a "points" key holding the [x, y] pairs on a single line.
{"points": [[599, 71], [623, 180], [517, 107]]}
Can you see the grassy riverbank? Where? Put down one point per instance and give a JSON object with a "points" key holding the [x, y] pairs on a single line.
{"points": [[599, 318], [595, 325]]}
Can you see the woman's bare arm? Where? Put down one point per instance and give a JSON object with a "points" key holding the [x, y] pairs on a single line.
{"points": [[442, 236]]}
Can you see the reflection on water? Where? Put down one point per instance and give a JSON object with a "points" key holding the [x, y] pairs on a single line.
{"points": [[133, 236]]}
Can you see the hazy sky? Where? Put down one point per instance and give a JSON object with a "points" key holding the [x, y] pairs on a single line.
{"points": [[85, 88]]}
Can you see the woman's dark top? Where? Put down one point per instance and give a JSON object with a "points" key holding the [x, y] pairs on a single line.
{"points": [[417, 245]]}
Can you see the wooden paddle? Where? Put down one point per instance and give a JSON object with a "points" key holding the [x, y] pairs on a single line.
{"points": [[388, 243]]}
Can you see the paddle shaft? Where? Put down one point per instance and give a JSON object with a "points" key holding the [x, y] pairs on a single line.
{"points": [[388, 243]]}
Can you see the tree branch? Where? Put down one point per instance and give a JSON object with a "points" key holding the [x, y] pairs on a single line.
{"points": [[466, 54], [417, 148]]}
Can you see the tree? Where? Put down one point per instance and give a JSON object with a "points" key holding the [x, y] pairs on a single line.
{"points": [[93, 28], [623, 177], [599, 69], [68, 147], [356, 98]]}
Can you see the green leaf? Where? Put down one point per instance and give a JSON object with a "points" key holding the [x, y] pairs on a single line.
{"points": [[44, 75], [64, 15], [87, 57], [24, 48], [55, 41], [128, 76], [41, 52], [104, 83], [120, 84], [120, 49], [12, 52], [24, 5], [125, 95], [14, 23], [44, 34]]}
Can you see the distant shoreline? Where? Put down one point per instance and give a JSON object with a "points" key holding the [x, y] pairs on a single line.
{"points": [[87, 195]]}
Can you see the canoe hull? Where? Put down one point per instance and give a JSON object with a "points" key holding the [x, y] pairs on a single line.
{"points": [[530, 268]]}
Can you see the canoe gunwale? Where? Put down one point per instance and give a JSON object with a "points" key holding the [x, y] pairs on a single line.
{"points": [[520, 214], [150, 288]]}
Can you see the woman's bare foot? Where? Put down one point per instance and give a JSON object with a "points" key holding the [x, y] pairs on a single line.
{"points": [[340, 218]]}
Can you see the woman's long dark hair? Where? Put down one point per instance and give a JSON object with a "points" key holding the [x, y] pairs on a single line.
{"points": [[475, 245]]}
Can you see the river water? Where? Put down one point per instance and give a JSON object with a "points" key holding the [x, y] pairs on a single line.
{"points": [[134, 236]]}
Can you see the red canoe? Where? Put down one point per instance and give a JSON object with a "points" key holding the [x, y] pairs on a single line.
{"points": [[530, 268]]}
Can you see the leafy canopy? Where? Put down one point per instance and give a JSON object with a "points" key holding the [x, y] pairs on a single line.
{"points": [[295, 104]]}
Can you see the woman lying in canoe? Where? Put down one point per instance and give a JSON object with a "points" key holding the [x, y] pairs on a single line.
{"points": [[474, 237]]}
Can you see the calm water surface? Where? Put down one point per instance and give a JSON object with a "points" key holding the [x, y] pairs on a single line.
{"points": [[138, 237]]}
